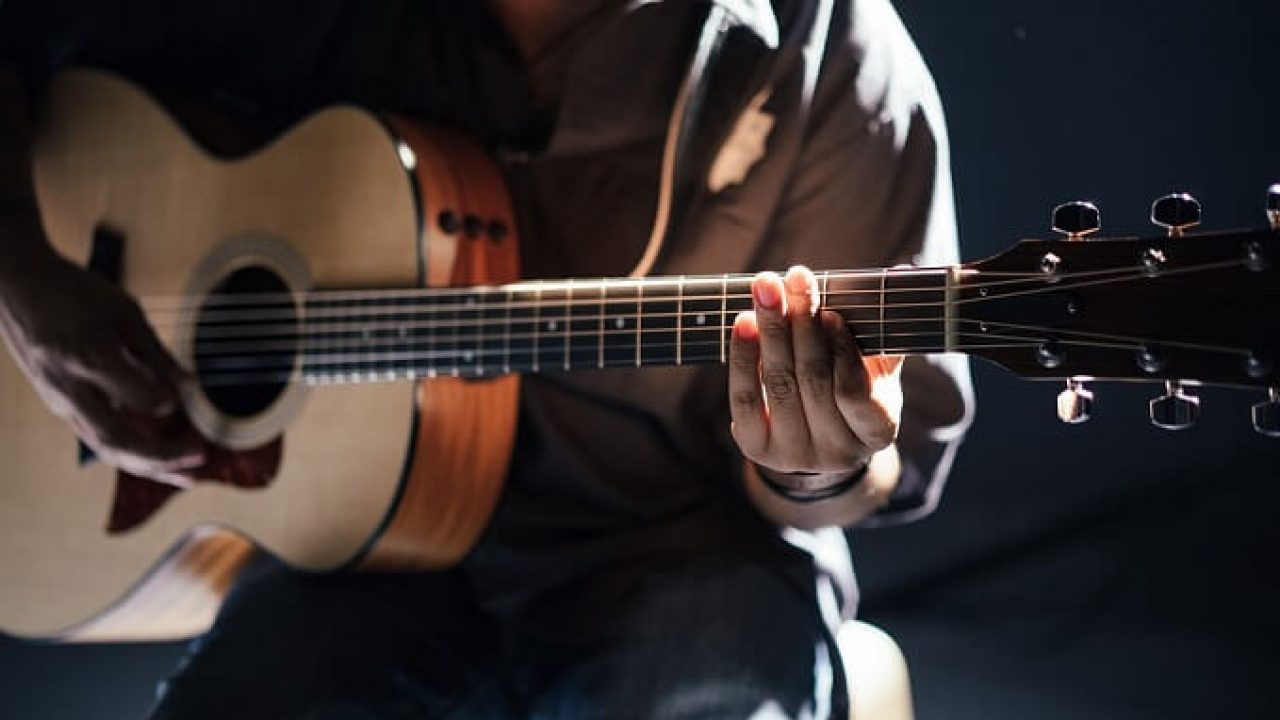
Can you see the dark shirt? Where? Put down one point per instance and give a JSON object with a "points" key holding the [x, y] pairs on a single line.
{"points": [[617, 468]]}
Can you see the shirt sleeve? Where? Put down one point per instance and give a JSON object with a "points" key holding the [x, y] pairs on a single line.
{"points": [[875, 165]]}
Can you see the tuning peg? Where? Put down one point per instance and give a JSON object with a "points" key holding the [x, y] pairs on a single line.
{"points": [[1266, 414], [1175, 410], [1273, 206], [1075, 404], [1176, 213], [1076, 219]]}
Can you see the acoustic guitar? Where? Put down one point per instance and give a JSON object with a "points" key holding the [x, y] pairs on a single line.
{"points": [[348, 301]]}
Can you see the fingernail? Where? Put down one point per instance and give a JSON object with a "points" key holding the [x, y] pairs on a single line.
{"points": [[766, 293], [797, 279], [744, 327]]}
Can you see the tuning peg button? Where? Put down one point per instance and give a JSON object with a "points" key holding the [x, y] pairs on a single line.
{"points": [[1175, 410], [1176, 213], [1273, 206], [1075, 404], [1266, 414], [1076, 219]]}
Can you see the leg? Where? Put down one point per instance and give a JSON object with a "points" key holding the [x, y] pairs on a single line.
{"points": [[707, 639], [293, 645]]}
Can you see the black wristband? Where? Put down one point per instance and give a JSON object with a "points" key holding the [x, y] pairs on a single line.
{"points": [[835, 489]]}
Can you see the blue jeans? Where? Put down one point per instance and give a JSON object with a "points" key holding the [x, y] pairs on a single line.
{"points": [[700, 639]]}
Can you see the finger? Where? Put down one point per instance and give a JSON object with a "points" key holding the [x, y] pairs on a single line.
{"points": [[869, 421], [142, 342], [746, 401], [788, 432], [137, 444], [129, 383], [834, 443]]}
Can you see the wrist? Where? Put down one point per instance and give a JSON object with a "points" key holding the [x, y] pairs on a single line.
{"points": [[811, 487]]}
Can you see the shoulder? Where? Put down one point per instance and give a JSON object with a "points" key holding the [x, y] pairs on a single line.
{"points": [[870, 70]]}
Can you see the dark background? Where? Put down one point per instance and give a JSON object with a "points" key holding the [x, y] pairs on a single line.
{"points": [[1110, 570]]}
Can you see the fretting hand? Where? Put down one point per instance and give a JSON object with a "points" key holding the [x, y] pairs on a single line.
{"points": [[808, 408]]}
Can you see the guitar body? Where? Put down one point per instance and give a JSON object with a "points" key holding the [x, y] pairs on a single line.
{"points": [[374, 475]]}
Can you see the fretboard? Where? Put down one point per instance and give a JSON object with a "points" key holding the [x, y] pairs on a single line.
{"points": [[555, 326]]}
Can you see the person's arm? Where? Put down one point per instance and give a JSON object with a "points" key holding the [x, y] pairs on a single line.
{"points": [[871, 188], [84, 345]]}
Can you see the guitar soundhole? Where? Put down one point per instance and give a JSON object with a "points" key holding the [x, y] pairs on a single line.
{"points": [[246, 339]]}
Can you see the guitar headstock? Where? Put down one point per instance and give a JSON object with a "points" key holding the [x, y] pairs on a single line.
{"points": [[1177, 309]]}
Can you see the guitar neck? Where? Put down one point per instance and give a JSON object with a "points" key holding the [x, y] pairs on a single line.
{"points": [[554, 326]]}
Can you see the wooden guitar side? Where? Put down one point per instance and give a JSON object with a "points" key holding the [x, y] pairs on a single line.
{"points": [[387, 475]]}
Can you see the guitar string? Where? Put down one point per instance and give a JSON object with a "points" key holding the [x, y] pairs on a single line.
{"points": [[181, 301], [340, 374], [237, 346], [229, 333], [287, 304], [264, 328], [457, 356], [360, 346], [440, 348]]}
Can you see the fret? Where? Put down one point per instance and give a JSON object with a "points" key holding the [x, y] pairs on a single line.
{"points": [[537, 327], [738, 297], [620, 321], [584, 326], [445, 336], [400, 346], [422, 336], [604, 301], [568, 323], [523, 327], [660, 318], [884, 277], [900, 310], [315, 339], [506, 331], [725, 327], [915, 311], [553, 327], [491, 357], [680, 320], [639, 323], [577, 324], [702, 304], [468, 334]]}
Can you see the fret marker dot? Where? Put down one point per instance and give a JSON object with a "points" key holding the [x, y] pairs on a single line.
{"points": [[467, 355], [619, 323], [551, 324], [701, 319]]}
